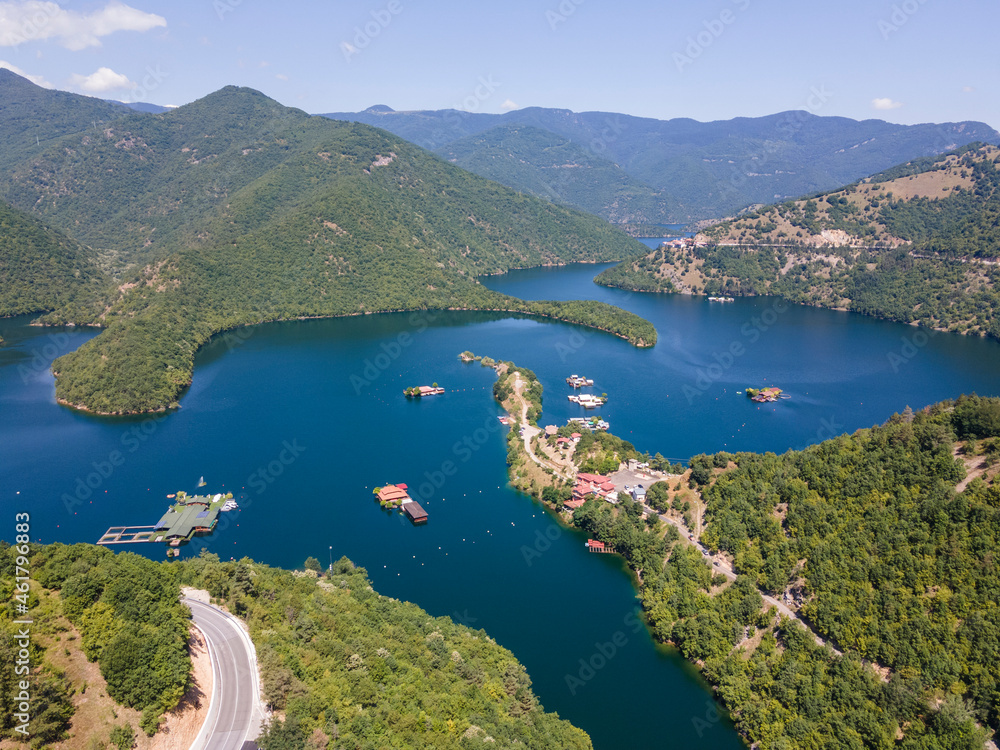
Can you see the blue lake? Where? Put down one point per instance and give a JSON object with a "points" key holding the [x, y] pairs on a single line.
{"points": [[305, 418]]}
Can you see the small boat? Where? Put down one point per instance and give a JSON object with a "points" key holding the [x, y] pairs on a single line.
{"points": [[202, 482]]}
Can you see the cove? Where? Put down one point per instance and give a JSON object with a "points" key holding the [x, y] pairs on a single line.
{"points": [[305, 418]]}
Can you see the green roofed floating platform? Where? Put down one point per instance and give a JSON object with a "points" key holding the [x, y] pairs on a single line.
{"points": [[189, 516]]}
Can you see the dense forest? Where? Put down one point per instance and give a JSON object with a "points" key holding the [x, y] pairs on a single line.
{"points": [[343, 666], [42, 269], [893, 563], [555, 168], [916, 244], [235, 210]]}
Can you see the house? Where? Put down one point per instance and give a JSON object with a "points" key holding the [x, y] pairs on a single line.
{"points": [[551, 430], [639, 493], [575, 437], [393, 494], [562, 440]]}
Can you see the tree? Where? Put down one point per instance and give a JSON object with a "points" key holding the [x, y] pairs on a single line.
{"points": [[313, 564]]}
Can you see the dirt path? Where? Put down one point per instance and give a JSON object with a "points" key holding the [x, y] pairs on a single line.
{"points": [[530, 431]]}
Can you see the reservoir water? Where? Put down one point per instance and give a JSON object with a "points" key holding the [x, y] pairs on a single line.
{"points": [[305, 418]]}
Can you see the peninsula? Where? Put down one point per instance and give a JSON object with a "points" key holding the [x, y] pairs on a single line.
{"points": [[741, 563]]}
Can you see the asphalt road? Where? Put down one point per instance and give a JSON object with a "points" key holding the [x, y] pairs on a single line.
{"points": [[235, 713]]}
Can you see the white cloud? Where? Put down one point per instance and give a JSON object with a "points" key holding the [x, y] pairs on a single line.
{"points": [[968, 89], [508, 105], [37, 80], [33, 20], [886, 103], [281, 76], [101, 80]]}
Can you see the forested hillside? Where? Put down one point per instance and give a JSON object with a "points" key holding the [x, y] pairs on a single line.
{"points": [[553, 167], [42, 269], [917, 243], [32, 118], [235, 210], [344, 666], [891, 550], [712, 168]]}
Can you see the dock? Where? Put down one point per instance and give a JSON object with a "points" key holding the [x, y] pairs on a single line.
{"points": [[190, 516], [578, 381], [127, 535], [416, 513], [600, 547]]}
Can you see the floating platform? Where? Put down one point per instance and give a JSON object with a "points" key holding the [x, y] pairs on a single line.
{"points": [[190, 516], [414, 510], [578, 381], [600, 547], [127, 535]]}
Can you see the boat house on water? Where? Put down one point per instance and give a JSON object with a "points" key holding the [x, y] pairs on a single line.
{"points": [[416, 513]]}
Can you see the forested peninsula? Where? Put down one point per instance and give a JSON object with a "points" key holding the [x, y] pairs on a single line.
{"points": [[165, 229], [844, 595]]}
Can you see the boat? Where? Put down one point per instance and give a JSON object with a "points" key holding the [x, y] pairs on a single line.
{"points": [[721, 299], [202, 482]]}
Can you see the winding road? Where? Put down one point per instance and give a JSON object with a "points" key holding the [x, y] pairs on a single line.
{"points": [[235, 712]]}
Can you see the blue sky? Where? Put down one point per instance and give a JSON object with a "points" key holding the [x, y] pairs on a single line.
{"points": [[904, 61]]}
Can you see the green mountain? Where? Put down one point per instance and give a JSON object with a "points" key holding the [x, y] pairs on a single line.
{"points": [[43, 269], [235, 210], [542, 163], [339, 661], [916, 243], [31, 117], [712, 169]]}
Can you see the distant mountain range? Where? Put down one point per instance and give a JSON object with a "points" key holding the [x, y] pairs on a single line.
{"points": [[235, 210], [918, 243], [635, 169]]}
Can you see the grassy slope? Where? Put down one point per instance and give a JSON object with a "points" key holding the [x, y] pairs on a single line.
{"points": [[235, 210], [913, 244]]}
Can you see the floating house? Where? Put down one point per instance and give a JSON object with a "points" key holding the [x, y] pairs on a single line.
{"points": [[586, 400], [419, 391], [416, 513], [578, 381], [392, 495], [764, 395]]}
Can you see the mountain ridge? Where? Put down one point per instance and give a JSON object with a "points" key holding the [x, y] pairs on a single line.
{"points": [[712, 168]]}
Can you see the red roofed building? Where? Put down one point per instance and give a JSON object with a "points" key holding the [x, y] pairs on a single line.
{"points": [[393, 494]]}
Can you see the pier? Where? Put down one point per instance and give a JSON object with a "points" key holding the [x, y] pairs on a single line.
{"points": [[190, 516], [127, 535]]}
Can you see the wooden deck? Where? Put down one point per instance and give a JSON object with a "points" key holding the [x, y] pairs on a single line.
{"points": [[127, 535]]}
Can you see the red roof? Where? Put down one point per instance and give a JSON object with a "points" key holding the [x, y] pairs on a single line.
{"points": [[608, 486], [574, 503], [595, 478], [594, 544], [562, 440], [401, 486], [392, 492], [576, 435]]}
